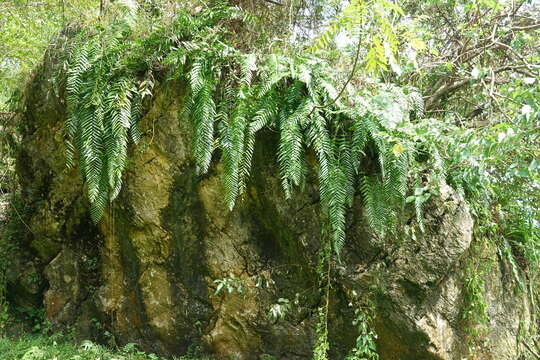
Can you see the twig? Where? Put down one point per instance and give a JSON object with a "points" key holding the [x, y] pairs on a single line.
{"points": [[526, 28], [443, 90], [528, 347], [351, 75], [490, 91], [273, 2], [516, 54]]}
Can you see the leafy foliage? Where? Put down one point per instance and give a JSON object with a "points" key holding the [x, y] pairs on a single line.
{"points": [[370, 139], [366, 348], [373, 22], [232, 96], [58, 346], [26, 29], [104, 107], [320, 352]]}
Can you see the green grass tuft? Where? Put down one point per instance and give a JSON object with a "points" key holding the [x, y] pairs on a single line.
{"points": [[59, 347]]}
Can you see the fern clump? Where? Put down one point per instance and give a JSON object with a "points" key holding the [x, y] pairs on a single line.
{"points": [[231, 97], [104, 106]]}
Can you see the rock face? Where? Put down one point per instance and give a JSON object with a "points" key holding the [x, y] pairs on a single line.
{"points": [[150, 270]]}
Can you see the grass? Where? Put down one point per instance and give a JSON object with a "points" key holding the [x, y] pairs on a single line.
{"points": [[59, 347]]}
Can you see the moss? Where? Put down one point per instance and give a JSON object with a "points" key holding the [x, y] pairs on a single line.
{"points": [[187, 266], [135, 311], [21, 282]]}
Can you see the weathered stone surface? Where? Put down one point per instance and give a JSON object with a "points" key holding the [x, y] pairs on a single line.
{"points": [[20, 271], [168, 237], [62, 299]]}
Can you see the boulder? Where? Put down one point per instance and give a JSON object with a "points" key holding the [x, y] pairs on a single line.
{"points": [[149, 272]]}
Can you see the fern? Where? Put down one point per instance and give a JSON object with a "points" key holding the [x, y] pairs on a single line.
{"points": [[375, 202], [334, 198], [103, 113], [202, 111], [415, 101], [291, 145], [233, 145], [231, 97]]}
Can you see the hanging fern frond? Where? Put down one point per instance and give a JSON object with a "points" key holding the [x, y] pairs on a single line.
{"points": [[135, 133], [231, 97], [359, 139], [335, 199], [396, 178], [291, 145], [202, 112], [375, 204], [232, 144], [103, 112]]}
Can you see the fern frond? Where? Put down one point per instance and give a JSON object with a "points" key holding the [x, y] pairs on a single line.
{"points": [[336, 201], [291, 147], [335, 179], [373, 195], [395, 181], [233, 142], [416, 102], [248, 66], [135, 133], [360, 137], [203, 113], [347, 164], [197, 76]]}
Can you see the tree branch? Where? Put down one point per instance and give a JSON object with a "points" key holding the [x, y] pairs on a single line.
{"points": [[433, 99], [526, 28]]}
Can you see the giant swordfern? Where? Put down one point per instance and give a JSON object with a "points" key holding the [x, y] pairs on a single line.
{"points": [[231, 97]]}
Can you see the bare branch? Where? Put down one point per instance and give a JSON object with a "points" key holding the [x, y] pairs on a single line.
{"points": [[433, 99], [526, 28], [273, 2]]}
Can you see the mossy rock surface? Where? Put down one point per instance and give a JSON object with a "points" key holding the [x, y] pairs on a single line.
{"points": [[147, 272]]}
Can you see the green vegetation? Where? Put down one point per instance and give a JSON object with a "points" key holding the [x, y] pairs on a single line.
{"points": [[232, 96], [387, 116], [59, 347], [27, 29]]}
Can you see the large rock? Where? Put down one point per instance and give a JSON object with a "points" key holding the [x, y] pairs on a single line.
{"points": [[148, 271]]}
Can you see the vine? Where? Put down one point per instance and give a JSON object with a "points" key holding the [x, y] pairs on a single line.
{"points": [[322, 345], [365, 347], [474, 311]]}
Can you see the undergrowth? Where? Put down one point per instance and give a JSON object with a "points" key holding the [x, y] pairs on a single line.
{"points": [[60, 347]]}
